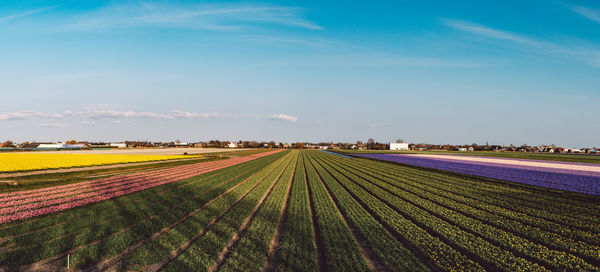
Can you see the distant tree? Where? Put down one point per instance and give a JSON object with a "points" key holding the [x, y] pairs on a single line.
{"points": [[8, 143], [300, 145], [371, 144], [71, 142], [359, 142]]}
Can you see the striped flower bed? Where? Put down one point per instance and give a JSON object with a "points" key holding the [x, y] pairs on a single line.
{"points": [[586, 182], [22, 205]]}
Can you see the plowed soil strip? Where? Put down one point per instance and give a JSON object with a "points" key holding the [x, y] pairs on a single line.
{"points": [[176, 252]]}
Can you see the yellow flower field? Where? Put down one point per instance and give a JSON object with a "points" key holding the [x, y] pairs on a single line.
{"points": [[13, 162]]}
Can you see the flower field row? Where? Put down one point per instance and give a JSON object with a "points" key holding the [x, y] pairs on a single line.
{"points": [[14, 162], [70, 196], [574, 181]]}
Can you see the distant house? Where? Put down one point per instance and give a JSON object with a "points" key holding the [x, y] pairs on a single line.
{"points": [[398, 146], [118, 145], [462, 149], [60, 146], [31, 145], [471, 148], [232, 145], [52, 145]]}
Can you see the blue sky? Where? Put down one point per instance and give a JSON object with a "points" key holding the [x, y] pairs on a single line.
{"points": [[437, 72]]}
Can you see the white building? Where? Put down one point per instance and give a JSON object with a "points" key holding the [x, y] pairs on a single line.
{"points": [[118, 145], [61, 146], [57, 145], [398, 146], [232, 145]]}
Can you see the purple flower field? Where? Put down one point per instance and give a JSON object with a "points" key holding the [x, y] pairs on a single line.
{"points": [[561, 179]]}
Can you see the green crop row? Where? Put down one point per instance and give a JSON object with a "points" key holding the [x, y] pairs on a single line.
{"points": [[433, 213], [250, 252], [203, 252], [392, 253], [144, 206], [341, 251], [102, 236], [538, 201], [297, 252], [474, 248], [548, 218], [479, 212]]}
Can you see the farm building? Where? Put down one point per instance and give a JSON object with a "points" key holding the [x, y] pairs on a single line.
{"points": [[60, 146], [398, 146], [118, 145]]}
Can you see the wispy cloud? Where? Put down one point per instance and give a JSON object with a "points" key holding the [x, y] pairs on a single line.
{"points": [[174, 114], [283, 117], [98, 114], [485, 31], [220, 17], [380, 124], [27, 114], [88, 123], [592, 14], [24, 14], [201, 115], [590, 56], [367, 61], [304, 41], [55, 125]]}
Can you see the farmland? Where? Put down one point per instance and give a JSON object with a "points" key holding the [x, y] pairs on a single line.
{"points": [[14, 162], [299, 211]]}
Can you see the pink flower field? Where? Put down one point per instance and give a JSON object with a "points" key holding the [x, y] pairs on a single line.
{"points": [[26, 204]]}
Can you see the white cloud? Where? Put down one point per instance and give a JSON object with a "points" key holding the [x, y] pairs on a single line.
{"points": [[110, 114], [373, 60], [88, 123], [27, 114], [379, 124], [485, 31], [283, 117], [189, 115], [592, 14], [23, 14], [55, 125], [590, 56], [220, 17], [98, 114]]}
